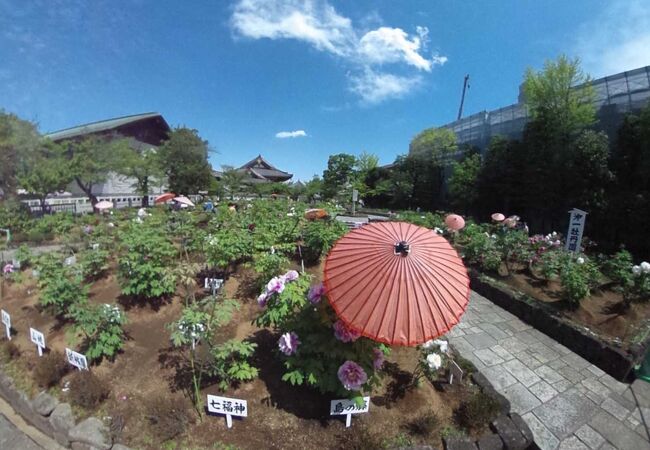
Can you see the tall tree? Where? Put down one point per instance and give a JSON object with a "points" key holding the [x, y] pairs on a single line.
{"points": [[144, 166], [463, 183], [560, 96], [339, 173], [92, 159], [314, 188], [18, 138], [45, 170], [184, 159], [232, 180]]}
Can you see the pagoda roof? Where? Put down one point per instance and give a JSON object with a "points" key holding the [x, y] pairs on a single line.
{"points": [[260, 168]]}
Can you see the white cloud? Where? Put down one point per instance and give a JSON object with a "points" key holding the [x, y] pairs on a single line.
{"points": [[311, 21], [617, 39], [290, 134], [376, 87], [317, 23]]}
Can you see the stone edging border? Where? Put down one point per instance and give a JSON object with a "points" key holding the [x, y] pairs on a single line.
{"points": [[56, 420], [508, 431], [613, 360]]}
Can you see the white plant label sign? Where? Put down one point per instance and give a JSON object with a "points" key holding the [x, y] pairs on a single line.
{"points": [[37, 338], [347, 407], [6, 320], [577, 219], [209, 282], [228, 406], [455, 373], [76, 359]]}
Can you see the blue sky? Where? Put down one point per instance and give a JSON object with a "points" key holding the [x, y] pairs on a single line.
{"points": [[332, 76]]}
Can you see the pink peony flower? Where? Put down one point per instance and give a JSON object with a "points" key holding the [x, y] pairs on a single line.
{"points": [[352, 376], [345, 334], [377, 359], [288, 343], [262, 299], [291, 275], [8, 268], [315, 293], [275, 285]]}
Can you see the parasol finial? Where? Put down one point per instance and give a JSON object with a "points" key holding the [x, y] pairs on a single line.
{"points": [[402, 248]]}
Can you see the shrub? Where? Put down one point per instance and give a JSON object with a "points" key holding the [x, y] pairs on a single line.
{"points": [[37, 236], [423, 424], [61, 290], [230, 364], [477, 411], [102, 328], [87, 390], [578, 276], [11, 350], [50, 368], [320, 236], [228, 245], [93, 263], [482, 251], [617, 268], [267, 265], [144, 264], [168, 416], [23, 255]]}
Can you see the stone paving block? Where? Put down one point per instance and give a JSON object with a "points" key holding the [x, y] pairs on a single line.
{"points": [[616, 433], [563, 385], [513, 345], [596, 370], [543, 436], [488, 357], [543, 391], [556, 364], [475, 360], [615, 409], [499, 377], [460, 344], [596, 398], [561, 348], [597, 387], [474, 330], [529, 360], [520, 398], [613, 384], [549, 375], [626, 403], [570, 374], [566, 412], [505, 315], [455, 332], [491, 317], [493, 331], [575, 361], [480, 340], [509, 433], [490, 442], [572, 443], [502, 352], [522, 373], [641, 392], [642, 431], [590, 437], [518, 325], [527, 337]]}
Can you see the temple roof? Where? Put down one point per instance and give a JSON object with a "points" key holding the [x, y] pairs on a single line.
{"points": [[259, 168]]}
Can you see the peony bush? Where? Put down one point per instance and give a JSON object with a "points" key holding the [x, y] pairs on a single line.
{"points": [[317, 348]]}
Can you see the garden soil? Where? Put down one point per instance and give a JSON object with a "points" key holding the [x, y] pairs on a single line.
{"points": [[281, 415]]}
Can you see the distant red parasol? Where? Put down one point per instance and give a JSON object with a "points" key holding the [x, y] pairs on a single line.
{"points": [[316, 213], [164, 198], [454, 222], [498, 217], [396, 283]]}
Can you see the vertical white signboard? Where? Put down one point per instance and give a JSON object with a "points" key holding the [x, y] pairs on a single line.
{"points": [[577, 219], [37, 338], [6, 320], [228, 406], [348, 407]]}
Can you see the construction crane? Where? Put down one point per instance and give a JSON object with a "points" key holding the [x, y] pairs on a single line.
{"points": [[462, 98]]}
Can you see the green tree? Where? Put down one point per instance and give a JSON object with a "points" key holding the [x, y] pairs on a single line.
{"points": [[184, 159], [143, 165], [560, 96], [233, 180], [340, 171], [92, 159], [463, 183], [45, 170], [18, 138], [314, 188]]}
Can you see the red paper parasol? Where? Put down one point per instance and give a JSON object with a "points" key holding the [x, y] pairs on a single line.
{"points": [[396, 283], [315, 213], [164, 198]]}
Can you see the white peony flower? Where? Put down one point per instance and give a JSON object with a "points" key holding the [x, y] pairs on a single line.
{"points": [[434, 361], [429, 344], [443, 345], [645, 267], [580, 260], [636, 270], [438, 230]]}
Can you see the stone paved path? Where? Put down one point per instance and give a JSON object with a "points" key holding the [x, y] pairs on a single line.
{"points": [[12, 438], [567, 402]]}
